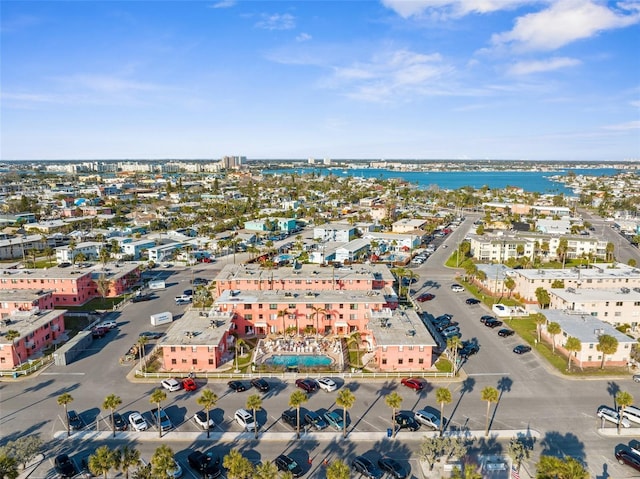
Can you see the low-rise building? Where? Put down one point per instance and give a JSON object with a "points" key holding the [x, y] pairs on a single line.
{"points": [[89, 249]]}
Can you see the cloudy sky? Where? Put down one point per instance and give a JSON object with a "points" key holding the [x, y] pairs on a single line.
{"points": [[393, 79]]}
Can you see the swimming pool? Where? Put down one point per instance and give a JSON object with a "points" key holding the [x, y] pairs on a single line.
{"points": [[307, 360]]}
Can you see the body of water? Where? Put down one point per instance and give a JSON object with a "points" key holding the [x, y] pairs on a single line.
{"points": [[531, 181], [290, 360]]}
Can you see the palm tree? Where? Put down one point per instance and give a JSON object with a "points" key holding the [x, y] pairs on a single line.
{"points": [[72, 248], [207, 400], [561, 251], [623, 399], [443, 396], [156, 398], [542, 295], [394, 401], [540, 320], [283, 314], [317, 311], [296, 399], [254, 402], [63, 400], [572, 345], [239, 344], [338, 470], [491, 395], [266, 470], [102, 461], [454, 344], [518, 451], [128, 457], [607, 344], [610, 248], [510, 284], [553, 329], [162, 462], [142, 341], [112, 402], [355, 338], [8, 466], [345, 400], [237, 466]]}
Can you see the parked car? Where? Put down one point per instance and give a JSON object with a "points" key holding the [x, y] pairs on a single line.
{"points": [[171, 384], [183, 299], [188, 384], [200, 418], [425, 297], [109, 324], [469, 348], [412, 383], [472, 301], [636, 378], [392, 467], [451, 324], [613, 416], [334, 418], [366, 468], [457, 288], [97, 333], [138, 298], [452, 334], [492, 323], [404, 420], [290, 417], [628, 458], [315, 420], [138, 422], [286, 464], [427, 418], [75, 421], [521, 349], [65, 466], [486, 318], [161, 419], [207, 464], [200, 281], [245, 419], [260, 384], [150, 335], [307, 385], [237, 386], [327, 384], [505, 333], [118, 423]]}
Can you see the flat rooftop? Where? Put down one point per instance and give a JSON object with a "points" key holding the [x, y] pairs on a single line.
{"points": [[399, 328], [585, 327], [196, 328], [596, 272], [582, 295], [25, 322], [300, 297], [23, 295], [111, 271]]}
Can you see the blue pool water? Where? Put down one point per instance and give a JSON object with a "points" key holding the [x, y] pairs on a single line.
{"points": [[289, 360]]}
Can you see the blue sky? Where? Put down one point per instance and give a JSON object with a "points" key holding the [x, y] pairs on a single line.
{"points": [[500, 79]]}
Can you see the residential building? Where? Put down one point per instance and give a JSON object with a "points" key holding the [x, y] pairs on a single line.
{"points": [[25, 300], [17, 246], [358, 248], [407, 225], [134, 249], [89, 249], [336, 232]]}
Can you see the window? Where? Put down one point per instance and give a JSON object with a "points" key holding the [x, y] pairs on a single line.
{"points": [[247, 306], [410, 360], [210, 362], [194, 361], [273, 306], [353, 306], [184, 361], [328, 306], [341, 306], [194, 349], [420, 360], [248, 317], [400, 361], [384, 360], [173, 349], [618, 303]]}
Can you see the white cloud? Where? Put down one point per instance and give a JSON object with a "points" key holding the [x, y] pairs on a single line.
{"points": [[538, 66], [564, 22], [107, 83], [451, 8], [277, 21], [630, 125], [303, 37], [224, 4]]}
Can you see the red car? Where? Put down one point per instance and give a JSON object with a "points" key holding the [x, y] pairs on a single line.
{"points": [[425, 297], [189, 384], [413, 383], [307, 385]]}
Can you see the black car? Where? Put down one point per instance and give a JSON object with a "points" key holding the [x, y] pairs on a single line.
{"points": [[237, 386], [628, 458], [150, 335], [75, 421], [206, 464], [200, 281], [118, 423], [307, 385], [366, 467], [290, 416], [440, 319], [260, 384], [138, 298], [486, 318], [521, 349], [472, 301], [442, 326], [285, 463], [492, 323], [64, 466], [315, 420], [392, 467], [405, 420], [469, 348], [506, 333]]}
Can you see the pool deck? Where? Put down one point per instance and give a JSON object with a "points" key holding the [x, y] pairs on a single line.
{"points": [[310, 346]]}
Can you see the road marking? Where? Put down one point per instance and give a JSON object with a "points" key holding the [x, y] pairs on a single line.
{"points": [[488, 374], [62, 374]]}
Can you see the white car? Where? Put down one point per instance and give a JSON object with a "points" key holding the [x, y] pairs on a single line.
{"points": [[245, 419], [428, 419], [138, 422], [109, 324], [610, 415], [200, 418], [456, 288], [171, 384], [327, 384]]}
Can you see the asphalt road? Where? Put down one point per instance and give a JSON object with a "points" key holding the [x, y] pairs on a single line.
{"points": [[532, 396]]}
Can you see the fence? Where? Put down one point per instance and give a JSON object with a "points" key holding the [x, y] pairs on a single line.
{"points": [[35, 365], [344, 375]]}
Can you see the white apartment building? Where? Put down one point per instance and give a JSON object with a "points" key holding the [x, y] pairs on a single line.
{"points": [[90, 250], [407, 225], [601, 276], [615, 306], [587, 329], [357, 248], [335, 232]]}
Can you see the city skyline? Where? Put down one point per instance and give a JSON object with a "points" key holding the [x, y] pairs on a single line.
{"points": [[498, 79]]}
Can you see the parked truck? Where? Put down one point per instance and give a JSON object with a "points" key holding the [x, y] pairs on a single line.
{"points": [[161, 318]]}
